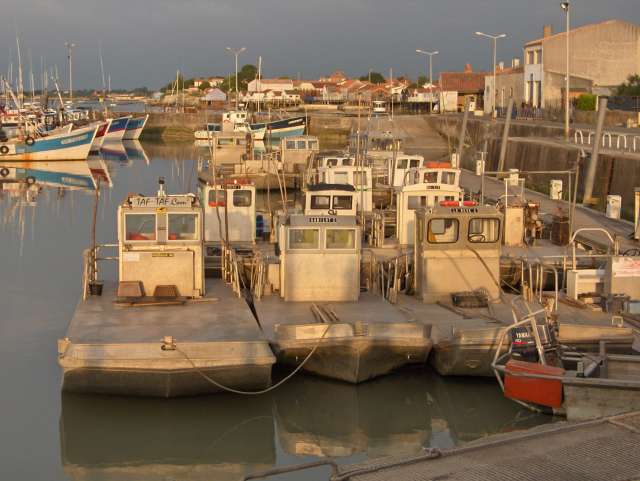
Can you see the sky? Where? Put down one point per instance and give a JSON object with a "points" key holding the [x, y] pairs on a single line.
{"points": [[144, 42]]}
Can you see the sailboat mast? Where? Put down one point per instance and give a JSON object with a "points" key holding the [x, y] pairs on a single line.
{"points": [[20, 85]]}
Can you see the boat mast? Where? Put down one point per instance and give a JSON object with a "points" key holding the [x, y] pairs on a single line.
{"points": [[31, 79], [259, 80], [20, 86]]}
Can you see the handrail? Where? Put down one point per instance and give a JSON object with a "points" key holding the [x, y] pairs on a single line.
{"points": [[572, 241]]}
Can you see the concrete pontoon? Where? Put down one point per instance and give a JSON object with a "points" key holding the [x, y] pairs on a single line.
{"points": [[161, 330]]}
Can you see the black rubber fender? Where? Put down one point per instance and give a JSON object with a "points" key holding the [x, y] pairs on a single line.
{"points": [[4, 171], [4, 150]]}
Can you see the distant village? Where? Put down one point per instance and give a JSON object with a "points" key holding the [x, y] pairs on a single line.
{"points": [[604, 57]]}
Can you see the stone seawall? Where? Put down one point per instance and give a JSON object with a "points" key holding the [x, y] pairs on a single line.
{"points": [[536, 147]]}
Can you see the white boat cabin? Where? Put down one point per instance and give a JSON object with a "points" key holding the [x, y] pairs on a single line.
{"points": [[320, 258], [397, 168], [359, 177], [445, 261], [298, 150], [228, 147], [338, 160], [234, 200], [330, 199], [427, 187], [160, 246]]}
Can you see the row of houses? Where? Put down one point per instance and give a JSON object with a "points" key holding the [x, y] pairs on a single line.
{"points": [[602, 56]]}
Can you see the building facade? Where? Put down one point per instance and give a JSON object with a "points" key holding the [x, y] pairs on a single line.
{"points": [[602, 56]]}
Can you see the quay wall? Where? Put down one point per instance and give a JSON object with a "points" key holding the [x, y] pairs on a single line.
{"points": [[536, 147]]}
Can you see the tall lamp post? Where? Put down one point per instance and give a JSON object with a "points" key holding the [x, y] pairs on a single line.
{"points": [[70, 46], [236, 52], [430, 55], [495, 41], [567, 10]]}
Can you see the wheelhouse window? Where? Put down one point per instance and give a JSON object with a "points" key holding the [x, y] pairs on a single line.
{"points": [[431, 177], [140, 227], [484, 230], [182, 227], [341, 177], [302, 145], [217, 198], [442, 231], [291, 144], [342, 202], [332, 162], [320, 202], [242, 198], [340, 238], [449, 178], [414, 163], [313, 145], [304, 238], [360, 179], [415, 202], [402, 164], [225, 141]]}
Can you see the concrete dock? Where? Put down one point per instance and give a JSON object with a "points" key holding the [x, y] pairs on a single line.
{"points": [[114, 349], [605, 449]]}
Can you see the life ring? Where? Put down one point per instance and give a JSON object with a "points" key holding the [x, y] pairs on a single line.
{"points": [[4, 150], [29, 140], [4, 171], [31, 180]]}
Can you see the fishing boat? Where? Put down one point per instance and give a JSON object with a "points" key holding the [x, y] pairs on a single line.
{"points": [[74, 145], [117, 128], [101, 133], [162, 329], [320, 319], [232, 121], [277, 129], [543, 374], [134, 128]]}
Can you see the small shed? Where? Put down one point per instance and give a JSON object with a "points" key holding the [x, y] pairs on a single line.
{"points": [[213, 97]]}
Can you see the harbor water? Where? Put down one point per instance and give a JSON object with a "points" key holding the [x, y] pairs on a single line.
{"points": [[47, 435]]}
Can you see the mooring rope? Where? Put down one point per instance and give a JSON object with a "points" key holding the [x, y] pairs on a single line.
{"points": [[254, 393]]}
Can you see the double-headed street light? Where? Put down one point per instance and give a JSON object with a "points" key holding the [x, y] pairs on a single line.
{"points": [[430, 55], [495, 41], [236, 52]]}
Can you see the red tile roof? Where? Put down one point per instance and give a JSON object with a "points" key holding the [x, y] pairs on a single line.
{"points": [[463, 82]]}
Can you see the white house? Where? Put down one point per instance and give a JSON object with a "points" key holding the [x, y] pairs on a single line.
{"points": [[263, 85]]}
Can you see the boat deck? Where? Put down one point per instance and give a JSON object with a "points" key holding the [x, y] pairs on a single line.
{"points": [[119, 349], [595, 450]]}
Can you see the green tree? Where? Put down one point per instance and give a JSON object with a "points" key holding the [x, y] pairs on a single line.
{"points": [[246, 74], [631, 88], [204, 85], [376, 78], [586, 102]]}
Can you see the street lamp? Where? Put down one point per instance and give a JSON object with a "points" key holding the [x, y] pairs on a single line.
{"points": [[70, 46], [495, 41], [567, 10], [430, 54], [236, 52]]}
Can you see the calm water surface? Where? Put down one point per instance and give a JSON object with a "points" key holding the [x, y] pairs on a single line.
{"points": [[51, 436]]}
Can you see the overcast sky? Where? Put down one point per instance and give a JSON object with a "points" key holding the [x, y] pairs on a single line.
{"points": [[145, 41]]}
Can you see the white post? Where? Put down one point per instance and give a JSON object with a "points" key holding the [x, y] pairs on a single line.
{"points": [[236, 52]]}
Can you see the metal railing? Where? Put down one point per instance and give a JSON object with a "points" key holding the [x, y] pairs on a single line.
{"points": [[91, 259], [622, 141]]}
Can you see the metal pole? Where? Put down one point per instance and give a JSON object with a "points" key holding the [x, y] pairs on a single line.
{"points": [[505, 137], [236, 55], [567, 86], [495, 97], [593, 164], [463, 132]]}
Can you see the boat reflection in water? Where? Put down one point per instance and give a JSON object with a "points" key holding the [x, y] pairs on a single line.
{"points": [[393, 415], [135, 152], [224, 437], [207, 438]]}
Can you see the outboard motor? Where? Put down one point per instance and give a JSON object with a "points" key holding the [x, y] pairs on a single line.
{"points": [[523, 343]]}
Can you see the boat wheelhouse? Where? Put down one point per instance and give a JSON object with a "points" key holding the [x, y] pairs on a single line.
{"points": [[330, 199], [360, 178], [229, 209]]}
